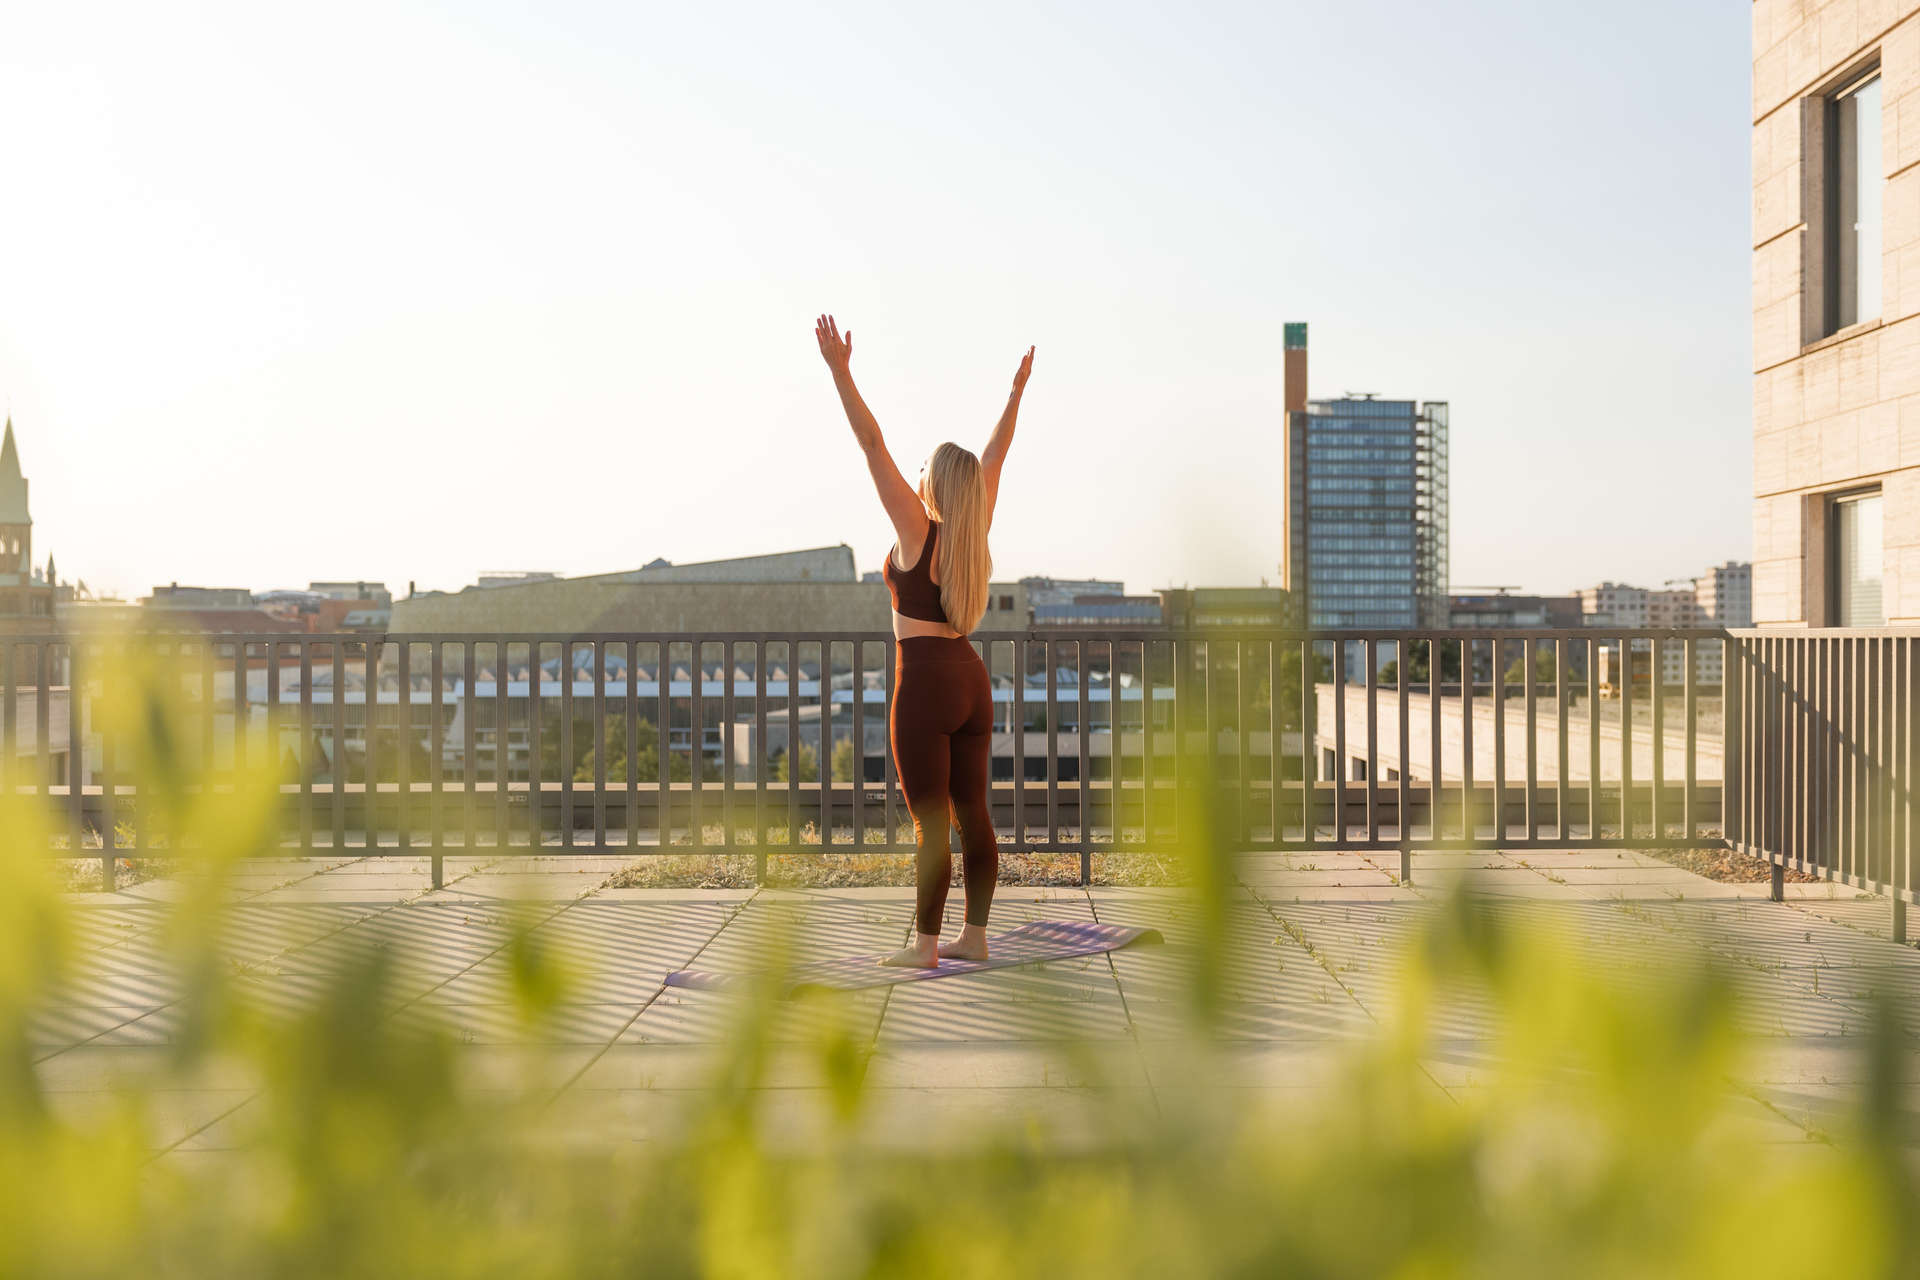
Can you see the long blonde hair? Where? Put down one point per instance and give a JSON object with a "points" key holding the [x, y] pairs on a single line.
{"points": [[956, 496]]}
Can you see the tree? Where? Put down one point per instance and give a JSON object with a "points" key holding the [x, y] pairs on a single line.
{"points": [[808, 767], [1542, 667], [646, 754], [1420, 660]]}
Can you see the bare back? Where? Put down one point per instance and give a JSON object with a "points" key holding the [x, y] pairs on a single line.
{"points": [[904, 558]]}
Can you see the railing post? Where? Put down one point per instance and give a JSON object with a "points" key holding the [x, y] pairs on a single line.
{"points": [[762, 650], [76, 763], [1402, 802], [1309, 744], [1083, 732], [1019, 727], [1340, 767], [1053, 751], [435, 733]]}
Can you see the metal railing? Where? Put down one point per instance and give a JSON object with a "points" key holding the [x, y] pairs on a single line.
{"points": [[1819, 779], [455, 744]]}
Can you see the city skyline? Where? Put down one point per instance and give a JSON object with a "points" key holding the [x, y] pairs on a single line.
{"points": [[505, 313]]}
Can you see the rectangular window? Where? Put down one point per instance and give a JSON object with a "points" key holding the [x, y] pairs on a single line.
{"points": [[1854, 180], [1854, 571]]}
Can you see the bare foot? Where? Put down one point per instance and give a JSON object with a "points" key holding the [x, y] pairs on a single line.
{"points": [[970, 945], [922, 954]]}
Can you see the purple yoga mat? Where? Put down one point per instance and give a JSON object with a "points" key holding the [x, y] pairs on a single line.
{"points": [[1029, 944]]}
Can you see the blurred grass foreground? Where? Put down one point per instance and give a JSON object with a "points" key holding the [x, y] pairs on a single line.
{"points": [[1597, 1144]]}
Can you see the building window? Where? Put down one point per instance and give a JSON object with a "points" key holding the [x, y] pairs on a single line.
{"points": [[1853, 185], [1006, 604], [1854, 571]]}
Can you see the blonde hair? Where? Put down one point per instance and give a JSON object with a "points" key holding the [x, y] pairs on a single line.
{"points": [[956, 496]]}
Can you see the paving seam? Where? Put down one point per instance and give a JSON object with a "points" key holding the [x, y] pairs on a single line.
{"points": [[1314, 955], [397, 1009], [738, 909], [1133, 1032], [284, 951], [1796, 904], [1729, 952], [886, 1002], [244, 898]]}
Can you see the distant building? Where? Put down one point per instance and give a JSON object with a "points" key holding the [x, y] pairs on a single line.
{"points": [[1613, 604], [1365, 488], [1008, 608], [90, 616], [1113, 612], [371, 594], [514, 578], [1725, 594], [780, 593], [1087, 602], [26, 594], [175, 596], [1063, 590], [1719, 598], [1183, 608], [1503, 609]]}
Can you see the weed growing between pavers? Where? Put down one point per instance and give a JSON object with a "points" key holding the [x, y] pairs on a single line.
{"points": [[845, 870], [1602, 1141]]}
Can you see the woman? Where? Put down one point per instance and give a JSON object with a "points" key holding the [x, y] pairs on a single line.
{"points": [[942, 718]]}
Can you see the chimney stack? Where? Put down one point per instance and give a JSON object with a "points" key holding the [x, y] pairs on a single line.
{"points": [[1295, 343], [1293, 462]]}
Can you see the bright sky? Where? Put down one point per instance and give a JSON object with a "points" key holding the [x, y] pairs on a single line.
{"points": [[404, 292]]}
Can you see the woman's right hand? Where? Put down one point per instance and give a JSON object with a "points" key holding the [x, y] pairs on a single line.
{"points": [[834, 349], [1022, 373]]}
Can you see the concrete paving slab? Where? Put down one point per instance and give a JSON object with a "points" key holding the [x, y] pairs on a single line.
{"points": [[907, 1021], [1019, 1044], [56, 1029], [1006, 1064], [679, 1016], [102, 1068], [632, 1065], [1065, 1119], [1285, 881], [163, 1116]]}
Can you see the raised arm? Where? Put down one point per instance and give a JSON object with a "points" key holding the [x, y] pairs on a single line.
{"points": [[903, 505], [995, 454]]}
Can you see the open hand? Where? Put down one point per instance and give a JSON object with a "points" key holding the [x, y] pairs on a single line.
{"points": [[837, 351], [1025, 370]]}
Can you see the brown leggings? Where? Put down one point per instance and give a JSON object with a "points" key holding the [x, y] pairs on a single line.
{"points": [[941, 724]]}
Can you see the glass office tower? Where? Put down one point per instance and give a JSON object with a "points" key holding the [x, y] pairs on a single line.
{"points": [[1371, 509]]}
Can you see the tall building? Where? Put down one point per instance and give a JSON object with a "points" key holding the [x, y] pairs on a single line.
{"points": [[1725, 594], [1613, 604], [1721, 597], [26, 595], [1836, 318], [1366, 491], [1504, 609]]}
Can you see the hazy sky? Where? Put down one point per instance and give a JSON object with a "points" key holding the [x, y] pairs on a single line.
{"points": [[404, 292]]}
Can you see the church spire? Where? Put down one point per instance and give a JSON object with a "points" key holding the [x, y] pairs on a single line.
{"points": [[13, 485]]}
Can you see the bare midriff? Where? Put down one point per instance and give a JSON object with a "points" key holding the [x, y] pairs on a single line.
{"points": [[904, 627]]}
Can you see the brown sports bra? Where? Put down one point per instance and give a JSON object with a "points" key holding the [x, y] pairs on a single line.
{"points": [[915, 595]]}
